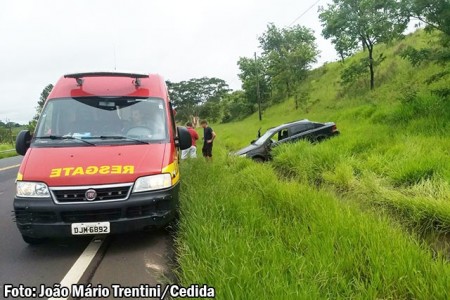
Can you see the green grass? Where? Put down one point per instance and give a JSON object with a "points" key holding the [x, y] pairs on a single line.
{"points": [[5, 147], [254, 236], [345, 218], [5, 135]]}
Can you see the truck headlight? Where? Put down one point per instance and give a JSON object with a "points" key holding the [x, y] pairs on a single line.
{"points": [[32, 189], [153, 182]]}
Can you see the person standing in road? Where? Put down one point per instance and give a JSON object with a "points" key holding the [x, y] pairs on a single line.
{"points": [[192, 151], [208, 137]]}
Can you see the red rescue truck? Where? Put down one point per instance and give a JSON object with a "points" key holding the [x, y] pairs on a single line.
{"points": [[103, 158]]}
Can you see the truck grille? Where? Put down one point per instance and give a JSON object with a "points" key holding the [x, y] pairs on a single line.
{"points": [[66, 195], [91, 215], [141, 211], [24, 216]]}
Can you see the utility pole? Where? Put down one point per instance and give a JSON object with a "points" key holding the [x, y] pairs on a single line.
{"points": [[257, 88]]}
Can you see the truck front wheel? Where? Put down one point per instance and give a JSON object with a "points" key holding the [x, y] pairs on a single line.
{"points": [[31, 240]]}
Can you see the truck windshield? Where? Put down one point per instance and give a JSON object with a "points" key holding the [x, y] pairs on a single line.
{"points": [[99, 120]]}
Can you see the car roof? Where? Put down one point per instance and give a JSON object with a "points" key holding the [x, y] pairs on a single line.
{"points": [[109, 84], [287, 125]]}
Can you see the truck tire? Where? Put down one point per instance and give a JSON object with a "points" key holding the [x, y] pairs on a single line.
{"points": [[32, 240], [173, 225]]}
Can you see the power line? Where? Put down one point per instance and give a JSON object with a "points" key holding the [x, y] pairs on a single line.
{"points": [[304, 13]]}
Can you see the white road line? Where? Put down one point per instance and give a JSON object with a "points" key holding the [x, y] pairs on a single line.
{"points": [[80, 266], [10, 167]]}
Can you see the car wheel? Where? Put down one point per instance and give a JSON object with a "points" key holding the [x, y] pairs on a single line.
{"points": [[319, 139], [258, 159], [32, 240]]}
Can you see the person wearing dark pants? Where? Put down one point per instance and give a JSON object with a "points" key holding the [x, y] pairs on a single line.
{"points": [[208, 137]]}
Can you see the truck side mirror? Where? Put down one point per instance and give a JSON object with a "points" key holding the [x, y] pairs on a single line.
{"points": [[23, 141], [184, 140]]}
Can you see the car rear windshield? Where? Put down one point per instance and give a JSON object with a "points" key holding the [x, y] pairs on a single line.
{"points": [[99, 120]]}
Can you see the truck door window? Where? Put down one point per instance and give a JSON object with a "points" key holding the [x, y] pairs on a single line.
{"points": [[47, 121], [172, 117]]}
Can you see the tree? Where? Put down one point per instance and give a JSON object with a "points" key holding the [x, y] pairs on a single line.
{"points": [[211, 110], [189, 96], [236, 106], [289, 53], [434, 13], [349, 22], [184, 98], [251, 74], [44, 95]]}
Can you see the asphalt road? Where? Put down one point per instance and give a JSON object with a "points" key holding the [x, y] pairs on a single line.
{"points": [[129, 260]]}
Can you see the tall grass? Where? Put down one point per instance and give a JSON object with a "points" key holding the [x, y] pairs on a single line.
{"points": [[252, 236], [409, 174]]}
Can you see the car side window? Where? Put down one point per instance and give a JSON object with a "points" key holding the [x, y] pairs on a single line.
{"points": [[310, 126], [283, 134], [300, 128]]}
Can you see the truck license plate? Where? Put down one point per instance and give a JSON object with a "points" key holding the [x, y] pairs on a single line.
{"points": [[90, 228]]}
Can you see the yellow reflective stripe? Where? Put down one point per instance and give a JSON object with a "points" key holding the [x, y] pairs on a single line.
{"points": [[173, 170]]}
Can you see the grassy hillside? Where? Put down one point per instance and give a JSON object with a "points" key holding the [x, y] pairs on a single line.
{"points": [[343, 218], [5, 150]]}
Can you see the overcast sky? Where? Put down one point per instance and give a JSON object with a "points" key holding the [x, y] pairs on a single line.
{"points": [[42, 40]]}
